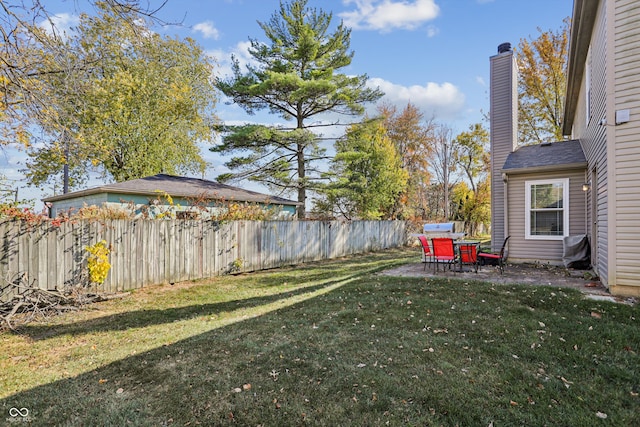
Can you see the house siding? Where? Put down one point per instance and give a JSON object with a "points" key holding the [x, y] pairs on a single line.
{"points": [[624, 274], [613, 150], [503, 134], [545, 251], [593, 137], [71, 206], [596, 137]]}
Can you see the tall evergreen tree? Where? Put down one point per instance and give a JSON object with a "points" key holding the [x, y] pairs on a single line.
{"points": [[295, 77]]}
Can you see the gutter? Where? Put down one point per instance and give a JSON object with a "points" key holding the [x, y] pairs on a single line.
{"points": [[550, 168]]}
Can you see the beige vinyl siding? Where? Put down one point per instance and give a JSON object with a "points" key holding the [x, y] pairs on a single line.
{"points": [[593, 138], [626, 150], [545, 251], [597, 137], [503, 135]]}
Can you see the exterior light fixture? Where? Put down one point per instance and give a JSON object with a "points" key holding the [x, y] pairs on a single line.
{"points": [[586, 186]]}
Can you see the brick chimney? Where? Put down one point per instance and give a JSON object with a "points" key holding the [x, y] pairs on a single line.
{"points": [[503, 116]]}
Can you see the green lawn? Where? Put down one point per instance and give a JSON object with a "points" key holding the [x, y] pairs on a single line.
{"points": [[330, 344]]}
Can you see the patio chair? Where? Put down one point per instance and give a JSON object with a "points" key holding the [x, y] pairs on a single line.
{"points": [[499, 257], [427, 255], [469, 255], [443, 252]]}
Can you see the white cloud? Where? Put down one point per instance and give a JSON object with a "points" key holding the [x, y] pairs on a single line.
{"points": [[386, 15], [480, 81], [432, 31], [60, 24], [442, 101], [207, 30], [223, 58]]}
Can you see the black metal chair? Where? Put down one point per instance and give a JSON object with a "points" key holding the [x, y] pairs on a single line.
{"points": [[499, 257]]}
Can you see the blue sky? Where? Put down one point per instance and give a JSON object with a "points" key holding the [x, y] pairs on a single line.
{"points": [[432, 53]]}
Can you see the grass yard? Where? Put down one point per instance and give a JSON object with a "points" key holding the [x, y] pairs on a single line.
{"points": [[330, 344]]}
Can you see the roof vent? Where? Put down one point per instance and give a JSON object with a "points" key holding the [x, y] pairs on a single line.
{"points": [[504, 47]]}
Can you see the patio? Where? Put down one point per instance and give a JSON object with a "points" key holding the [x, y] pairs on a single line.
{"points": [[533, 274]]}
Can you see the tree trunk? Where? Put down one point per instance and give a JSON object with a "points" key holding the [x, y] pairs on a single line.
{"points": [[302, 190]]}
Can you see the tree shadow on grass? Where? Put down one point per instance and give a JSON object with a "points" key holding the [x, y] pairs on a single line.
{"points": [[143, 318], [131, 391], [192, 380]]}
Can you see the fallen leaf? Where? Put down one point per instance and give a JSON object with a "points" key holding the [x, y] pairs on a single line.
{"points": [[566, 382], [596, 315], [512, 403], [601, 415], [102, 381], [120, 391], [237, 390], [246, 387]]}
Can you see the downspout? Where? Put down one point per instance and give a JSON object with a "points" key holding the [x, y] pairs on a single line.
{"points": [[505, 181], [585, 189]]}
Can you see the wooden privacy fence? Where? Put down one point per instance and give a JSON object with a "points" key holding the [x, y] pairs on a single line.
{"points": [[146, 252]]}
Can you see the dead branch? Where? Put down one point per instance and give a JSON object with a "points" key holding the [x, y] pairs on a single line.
{"points": [[38, 304]]}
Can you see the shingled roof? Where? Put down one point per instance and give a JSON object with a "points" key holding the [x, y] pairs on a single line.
{"points": [[178, 186], [546, 156]]}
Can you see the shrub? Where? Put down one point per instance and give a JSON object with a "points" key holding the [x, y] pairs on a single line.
{"points": [[98, 262]]}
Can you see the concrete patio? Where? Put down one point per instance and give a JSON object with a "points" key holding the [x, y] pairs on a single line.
{"points": [[529, 274]]}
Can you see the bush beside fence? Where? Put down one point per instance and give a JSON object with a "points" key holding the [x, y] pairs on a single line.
{"points": [[146, 252]]}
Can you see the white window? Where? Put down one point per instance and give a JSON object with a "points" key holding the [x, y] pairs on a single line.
{"points": [[547, 209]]}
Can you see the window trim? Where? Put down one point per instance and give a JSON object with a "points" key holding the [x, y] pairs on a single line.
{"points": [[565, 208]]}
